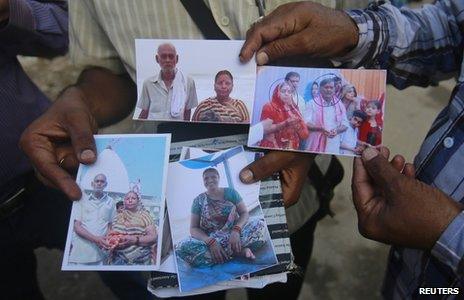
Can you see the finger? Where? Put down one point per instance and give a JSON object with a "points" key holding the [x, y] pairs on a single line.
{"points": [[384, 151], [398, 162], [361, 184], [66, 158], [80, 129], [378, 167], [409, 170], [292, 181], [270, 163], [239, 247], [44, 160]]}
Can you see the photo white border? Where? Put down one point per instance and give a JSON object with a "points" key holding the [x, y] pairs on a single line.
{"points": [[65, 266]]}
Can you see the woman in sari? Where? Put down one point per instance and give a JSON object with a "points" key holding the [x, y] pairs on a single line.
{"points": [[222, 108], [132, 234], [288, 127], [220, 227]]}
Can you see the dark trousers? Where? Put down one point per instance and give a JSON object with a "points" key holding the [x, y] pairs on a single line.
{"points": [[43, 221]]}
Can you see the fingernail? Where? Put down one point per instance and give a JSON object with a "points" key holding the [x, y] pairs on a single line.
{"points": [[246, 176], [369, 153], [87, 155], [262, 58]]}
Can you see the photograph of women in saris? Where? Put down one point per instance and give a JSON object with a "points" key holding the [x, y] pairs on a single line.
{"points": [[219, 231], [342, 109]]}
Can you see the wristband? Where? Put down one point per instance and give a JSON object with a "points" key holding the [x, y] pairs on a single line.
{"points": [[237, 228], [211, 242]]}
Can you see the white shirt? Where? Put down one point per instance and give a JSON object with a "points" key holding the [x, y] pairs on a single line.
{"points": [[349, 139], [95, 216]]}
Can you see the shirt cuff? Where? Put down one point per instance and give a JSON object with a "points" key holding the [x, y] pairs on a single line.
{"points": [[449, 248], [20, 17]]}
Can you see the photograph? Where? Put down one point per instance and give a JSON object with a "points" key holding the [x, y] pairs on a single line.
{"points": [[193, 81], [217, 225], [117, 223], [332, 111]]}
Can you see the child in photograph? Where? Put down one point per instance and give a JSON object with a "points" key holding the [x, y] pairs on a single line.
{"points": [[288, 127], [220, 227], [133, 234], [222, 108], [370, 131], [349, 143]]}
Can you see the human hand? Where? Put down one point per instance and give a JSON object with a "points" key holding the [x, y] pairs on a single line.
{"points": [[126, 241], [102, 243], [395, 208], [218, 254], [300, 28], [293, 168], [61, 138], [234, 242]]}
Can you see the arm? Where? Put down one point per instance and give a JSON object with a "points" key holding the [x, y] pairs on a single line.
{"points": [[99, 98], [412, 44], [192, 100], [187, 114], [195, 230], [100, 241], [35, 28]]}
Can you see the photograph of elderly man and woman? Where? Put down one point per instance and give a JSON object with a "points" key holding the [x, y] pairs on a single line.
{"points": [[196, 81], [217, 224], [332, 111], [116, 223]]}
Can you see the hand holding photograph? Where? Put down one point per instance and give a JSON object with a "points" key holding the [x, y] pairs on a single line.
{"points": [[118, 221]]}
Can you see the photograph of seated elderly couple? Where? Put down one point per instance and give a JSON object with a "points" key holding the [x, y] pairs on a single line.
{"points": [[318, 110], [115, 225], [193, 81], [217, 224]]}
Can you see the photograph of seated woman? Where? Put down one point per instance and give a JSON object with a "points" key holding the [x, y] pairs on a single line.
{"points": [[220, 227], [133, 234], [222, 108], [288, 127]]}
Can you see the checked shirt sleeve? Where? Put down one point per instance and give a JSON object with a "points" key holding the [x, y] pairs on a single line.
{"points": [[414, 45], [449, 248]]}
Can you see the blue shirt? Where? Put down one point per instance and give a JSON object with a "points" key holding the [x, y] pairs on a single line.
{"points": [[34, 28], [416, 46]]}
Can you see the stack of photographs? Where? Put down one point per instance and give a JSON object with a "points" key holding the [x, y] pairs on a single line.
{"points": [[270, 197], [180, 210]]}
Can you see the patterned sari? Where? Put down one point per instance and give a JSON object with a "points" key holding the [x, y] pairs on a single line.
{"points": [[217, 218], [132, 223]]}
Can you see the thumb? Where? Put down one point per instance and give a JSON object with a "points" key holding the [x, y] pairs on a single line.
{"points": [[279, 48], [81, 129], [378, 167]]}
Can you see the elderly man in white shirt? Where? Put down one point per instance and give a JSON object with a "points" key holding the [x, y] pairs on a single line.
{"points": [[92, 217]]}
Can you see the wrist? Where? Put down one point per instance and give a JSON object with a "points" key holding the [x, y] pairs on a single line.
{"points": [[210, 242], [237, 229]]}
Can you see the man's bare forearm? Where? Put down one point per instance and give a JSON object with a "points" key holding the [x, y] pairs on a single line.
{"points": [[110, 97]]}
